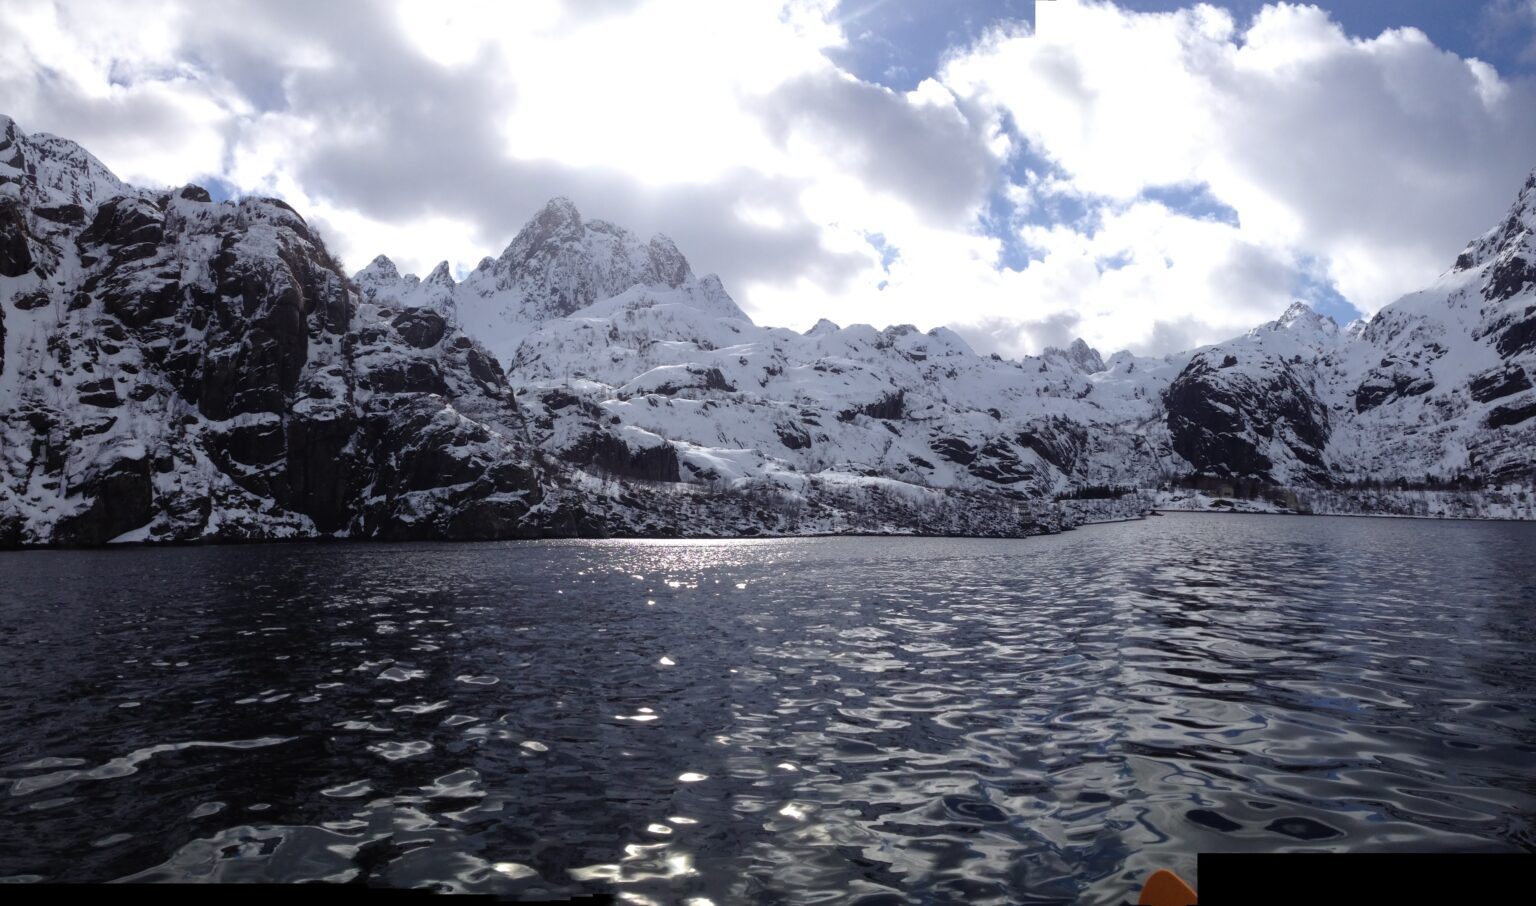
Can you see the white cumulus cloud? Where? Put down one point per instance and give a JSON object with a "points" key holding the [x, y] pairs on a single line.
{"points": [[432, 131], [1379, 157]]}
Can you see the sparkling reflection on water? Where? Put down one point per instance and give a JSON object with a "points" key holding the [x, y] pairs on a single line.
{"points": [[815, 720]]}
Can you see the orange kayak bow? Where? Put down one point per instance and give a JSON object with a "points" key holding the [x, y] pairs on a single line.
{"points": [[1165, 888]]}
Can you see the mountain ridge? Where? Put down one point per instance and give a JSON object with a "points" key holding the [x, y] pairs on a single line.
{"points": [[178, 369]]}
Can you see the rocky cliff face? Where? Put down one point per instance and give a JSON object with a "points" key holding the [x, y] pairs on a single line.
{"points": [[1436, 389], [177, 369]]}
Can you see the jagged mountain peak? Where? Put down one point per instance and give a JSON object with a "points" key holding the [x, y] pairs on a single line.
{"points": [[1078, 355], [559, 263], [668, 264], [822, 328], [559, 209], [54, 171], [442, 275], [555, 223], [9, 132], [1512, 237], [380, 268], [1299, 316]]}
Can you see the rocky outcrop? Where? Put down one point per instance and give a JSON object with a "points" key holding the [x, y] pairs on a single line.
{"points": [[1261, 421], [212, 375], [15, 250]]}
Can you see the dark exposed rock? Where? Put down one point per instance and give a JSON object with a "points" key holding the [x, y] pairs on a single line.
{"points": [[68, 214], [698, 379], [1508, 277], [494, 520], [136, 304], [997, 462], [252, 443], [120, 499], [102, 393], [715, 380], [1518, 337], [15, 253], [611, 454], [32, 300], [1499, 383], [1058, 441], [1226, 421], [195, 193], [320, 481], [1512, 414], [889, 406], [1381, 386], [794, 437], [420, 327], [955, 450], [412, 377], [485, 368], [125, 223], [558, 399], [668, 267]]}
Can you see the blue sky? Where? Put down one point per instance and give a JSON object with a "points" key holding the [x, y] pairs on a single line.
{"points": [[1145, 175], [899, 44]]}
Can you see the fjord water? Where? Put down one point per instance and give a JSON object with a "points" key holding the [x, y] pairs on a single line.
{"points": [[828, 720]]}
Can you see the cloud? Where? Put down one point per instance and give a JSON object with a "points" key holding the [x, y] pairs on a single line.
{"points": [[1167, 178], [436, 132], [1380, 157], [919, 147]]}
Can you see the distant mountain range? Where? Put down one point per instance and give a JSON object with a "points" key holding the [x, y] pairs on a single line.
{"points": [[178, 369]]}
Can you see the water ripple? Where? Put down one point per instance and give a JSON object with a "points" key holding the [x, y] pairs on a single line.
{"points": [[816, 721]]}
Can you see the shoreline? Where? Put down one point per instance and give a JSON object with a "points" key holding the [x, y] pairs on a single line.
{"points": [[322, 540]]}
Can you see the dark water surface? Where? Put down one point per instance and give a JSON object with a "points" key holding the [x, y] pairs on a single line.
{"points": [[819, 720]]}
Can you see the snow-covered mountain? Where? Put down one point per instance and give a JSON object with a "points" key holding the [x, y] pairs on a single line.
{"points": [[175, 369], [178, 369], [1436, 389]]}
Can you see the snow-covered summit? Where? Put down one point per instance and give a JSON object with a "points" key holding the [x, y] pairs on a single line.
{"points": [[380, 271], [1511, 238], [1079, 355], [53, 172], [1300, 316], [559, 263]]}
